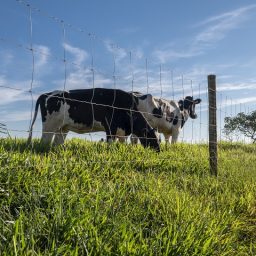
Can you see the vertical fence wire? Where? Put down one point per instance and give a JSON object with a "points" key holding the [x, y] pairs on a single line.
{"points": [[160, 81], [183, 95], [60, 133], [172, 84], [33, 65], [131, 71], [91, 39], [114, 87], [147, 83], [226, 108], [192, 123]]}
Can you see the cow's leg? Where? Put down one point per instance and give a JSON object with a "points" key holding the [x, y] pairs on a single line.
{"points": [[122, 139], [50, 127], [134, 139], [47, 133], [175, 136], [60, 137], [47, 137], [110, 130], [110, 137], [167, 140], [145, 132]]}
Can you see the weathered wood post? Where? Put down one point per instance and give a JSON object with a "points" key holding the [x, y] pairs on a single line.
{"points": [[213, 154]]}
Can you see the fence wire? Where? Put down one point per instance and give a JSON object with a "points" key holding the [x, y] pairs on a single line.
{"points": [[178, 87]]}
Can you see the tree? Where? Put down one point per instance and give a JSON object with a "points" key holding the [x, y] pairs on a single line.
{"points": [[243, 123]]}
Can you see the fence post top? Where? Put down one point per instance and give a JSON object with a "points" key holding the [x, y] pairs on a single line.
{"points": [[211, 77]]}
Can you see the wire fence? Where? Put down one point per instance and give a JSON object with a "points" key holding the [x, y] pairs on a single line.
{"points": [[122, 69]]}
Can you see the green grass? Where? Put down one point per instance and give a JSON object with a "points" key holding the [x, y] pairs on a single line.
{"points": [[96, 199]]}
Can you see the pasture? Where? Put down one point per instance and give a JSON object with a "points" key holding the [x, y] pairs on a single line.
{"points": [[88, 198]]}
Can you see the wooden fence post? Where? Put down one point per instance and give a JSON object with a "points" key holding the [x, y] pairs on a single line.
{"points": [[213, 154]]}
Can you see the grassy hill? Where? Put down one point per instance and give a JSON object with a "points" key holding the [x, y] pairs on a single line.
{"points": [[96, 199]]}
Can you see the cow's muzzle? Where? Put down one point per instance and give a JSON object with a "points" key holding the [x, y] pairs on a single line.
{"points": [[193, 116]]}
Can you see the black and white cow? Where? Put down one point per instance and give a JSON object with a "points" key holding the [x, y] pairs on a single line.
{"points": [[167, 116], [91, 110]]}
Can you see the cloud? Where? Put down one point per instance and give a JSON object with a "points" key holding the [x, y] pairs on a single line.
{"points": [[236, 86], [228, 17], [8, 96], [214, 29], [84, 78], [237, 101], [218, 26], [79, 55], [12, 91], [117, 52], [6, 57], [168, 54], [42, 55], [14, 116]]}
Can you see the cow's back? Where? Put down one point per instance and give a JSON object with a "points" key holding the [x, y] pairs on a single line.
{"points": [[103, 97]]}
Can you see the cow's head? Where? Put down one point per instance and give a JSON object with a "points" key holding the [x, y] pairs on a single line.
{"points": [[150, 138], [189, 105]]}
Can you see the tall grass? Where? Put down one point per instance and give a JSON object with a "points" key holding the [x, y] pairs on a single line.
{"points": [[96, 199]]}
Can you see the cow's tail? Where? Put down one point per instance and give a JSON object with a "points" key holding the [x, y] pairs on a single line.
{"points": [[38, 102]]}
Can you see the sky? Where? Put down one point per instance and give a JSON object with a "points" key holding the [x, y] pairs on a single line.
{"points": [[166, 48]]}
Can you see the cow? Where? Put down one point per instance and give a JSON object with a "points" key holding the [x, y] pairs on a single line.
{"points": [[90, 110], [167, 116]]}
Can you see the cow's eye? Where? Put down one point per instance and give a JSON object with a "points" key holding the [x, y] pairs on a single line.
{"points": [[169, 117]]}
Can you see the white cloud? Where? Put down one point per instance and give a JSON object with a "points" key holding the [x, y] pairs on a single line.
{"points": [[117, 52], [83, 78], [79, 54], [8, 96], [169, 54], [13, 91], [14, 116], [42, 55], [228, 16], [218, 26], [236, 86], [215, 29], [232, 102]]}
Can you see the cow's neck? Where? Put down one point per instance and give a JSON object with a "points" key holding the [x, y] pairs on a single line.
{"points": [[185, 116]]}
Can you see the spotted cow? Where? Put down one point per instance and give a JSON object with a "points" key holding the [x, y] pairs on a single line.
{"points": [[167, 116], [90, 110]]}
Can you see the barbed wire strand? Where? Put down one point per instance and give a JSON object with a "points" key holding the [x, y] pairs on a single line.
{"points": [[183, 93], [172, 83], [192, 123], [93, 78], [33, 66], [160, 81], [147, 83], [61, 21]]}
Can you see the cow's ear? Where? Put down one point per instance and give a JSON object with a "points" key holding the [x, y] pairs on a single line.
{"points": [[149, 97], [197, 101], [181, 104], [160, 101]]}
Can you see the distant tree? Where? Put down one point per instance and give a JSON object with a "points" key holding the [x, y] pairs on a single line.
{"points": [[243, 123]]}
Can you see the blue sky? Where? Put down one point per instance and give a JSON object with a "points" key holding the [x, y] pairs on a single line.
{"points": [[163, 47]]}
